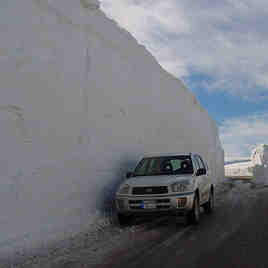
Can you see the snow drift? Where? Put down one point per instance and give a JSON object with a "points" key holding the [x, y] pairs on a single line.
{"points": [[80, 102]]}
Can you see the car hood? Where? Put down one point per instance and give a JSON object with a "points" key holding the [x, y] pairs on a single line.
{"points": [[159, 180]]}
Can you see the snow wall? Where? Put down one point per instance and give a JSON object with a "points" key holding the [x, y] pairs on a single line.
{"points": [[80, 102]]}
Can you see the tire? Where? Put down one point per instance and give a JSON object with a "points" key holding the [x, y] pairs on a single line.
{"points": [[123, 219], [194, 215], [209, 206]]}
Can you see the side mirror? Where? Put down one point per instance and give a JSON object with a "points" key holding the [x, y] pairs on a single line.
{"points": [[129, 175], [201, 171]]}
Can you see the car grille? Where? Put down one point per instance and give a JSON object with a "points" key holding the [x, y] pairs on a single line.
{"points": [[166, 200], [150, 190], [157, 207], [159, 204]]}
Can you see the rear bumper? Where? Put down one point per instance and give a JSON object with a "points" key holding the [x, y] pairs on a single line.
{"points": [[170, 204]]}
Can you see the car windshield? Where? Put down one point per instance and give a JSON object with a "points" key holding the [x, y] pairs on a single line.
{"points": [[166, 165]]}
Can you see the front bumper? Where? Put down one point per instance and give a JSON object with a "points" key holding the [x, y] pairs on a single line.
{"points": [[172, 204]]}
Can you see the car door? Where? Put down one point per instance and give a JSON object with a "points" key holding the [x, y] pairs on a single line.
{"points": [[199, 178], [202, 181], [209, 178], [205, 181]]}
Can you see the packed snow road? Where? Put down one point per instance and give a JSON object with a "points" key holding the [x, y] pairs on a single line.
{"points": [[235, 235]]}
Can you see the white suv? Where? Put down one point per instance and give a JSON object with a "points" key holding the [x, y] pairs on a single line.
{"points": [[174, 184]]}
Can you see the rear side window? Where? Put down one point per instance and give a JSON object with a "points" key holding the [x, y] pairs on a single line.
{"points": [[206, 165], [201, 162], [195, 161]]}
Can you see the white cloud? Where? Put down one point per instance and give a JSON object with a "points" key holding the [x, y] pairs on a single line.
{"points": [[151, 23], [223, 39], [240, 135]]}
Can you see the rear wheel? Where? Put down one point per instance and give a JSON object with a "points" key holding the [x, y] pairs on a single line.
{"points": [[123, 219], [209, 206], [194, 215]]}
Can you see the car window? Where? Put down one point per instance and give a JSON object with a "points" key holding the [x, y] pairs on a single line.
{"points": [[141, 167], [206, 165], [176, 163], [169, 165], [196, 162], [201, 164], [152, 164]]}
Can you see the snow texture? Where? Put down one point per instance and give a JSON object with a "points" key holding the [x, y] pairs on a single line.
{"points": [[80, 102]]}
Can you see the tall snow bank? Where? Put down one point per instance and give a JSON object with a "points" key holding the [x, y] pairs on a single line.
{"points": [[80, 102]]}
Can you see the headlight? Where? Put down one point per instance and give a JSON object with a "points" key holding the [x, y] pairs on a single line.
{"points": [[180, 187], [124, 189]]}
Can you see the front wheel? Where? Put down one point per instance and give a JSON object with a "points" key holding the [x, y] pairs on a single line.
{"points": [[209, 206], [194, 215], [123, 219]]}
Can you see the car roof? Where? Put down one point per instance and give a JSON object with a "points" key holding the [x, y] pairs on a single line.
{"points": [[165, 154]]}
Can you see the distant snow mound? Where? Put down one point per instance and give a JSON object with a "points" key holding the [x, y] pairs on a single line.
{"points": [[240, 169], [256, 167], [259, 159], [259, 155]]}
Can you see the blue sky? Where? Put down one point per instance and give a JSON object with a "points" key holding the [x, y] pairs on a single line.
{"points": [[218, 49], [222, 105]]}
